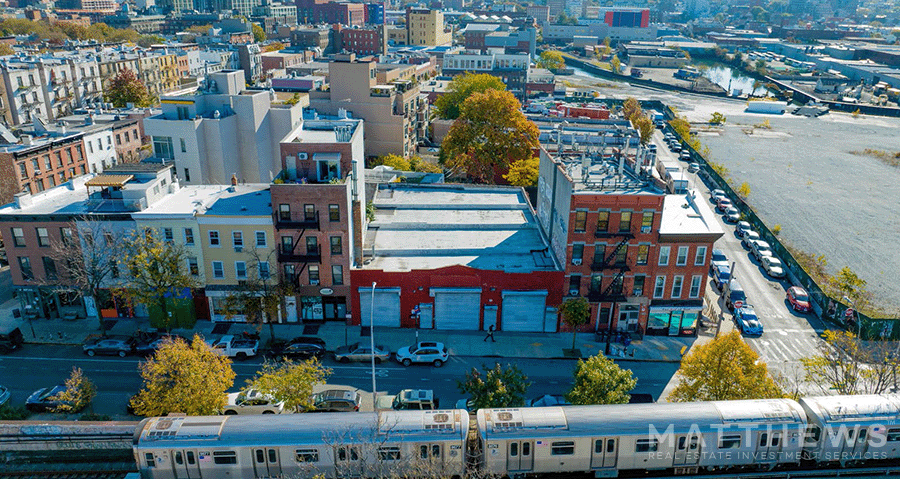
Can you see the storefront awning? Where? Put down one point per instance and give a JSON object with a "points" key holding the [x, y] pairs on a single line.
{"points": [[109, 180]]}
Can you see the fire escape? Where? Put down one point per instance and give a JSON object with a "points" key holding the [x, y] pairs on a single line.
{"points": [[616, 261], [290, 254]]}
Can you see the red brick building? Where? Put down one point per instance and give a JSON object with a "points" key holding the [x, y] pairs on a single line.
{"points": [[35, 164], [362, 41]]}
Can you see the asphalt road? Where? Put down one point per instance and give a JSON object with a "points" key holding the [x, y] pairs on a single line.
{"points": [[117, 379]]}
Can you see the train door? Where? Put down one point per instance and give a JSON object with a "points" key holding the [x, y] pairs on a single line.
{"points": [[185, 464], [860, 445], [687, 450], [266, 462], [768, 446], [520, 456], [432, 455], [346, 461], [605, 452]]}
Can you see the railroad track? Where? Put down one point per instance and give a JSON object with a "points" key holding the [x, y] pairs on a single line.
{"points": [[69, 471]]}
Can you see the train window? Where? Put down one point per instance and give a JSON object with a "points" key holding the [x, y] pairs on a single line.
{"points": [[732, 441], [526, 448], [646, 445], [342, 454], [435, 450], [389, 453], [763, 439], [598, 446], [561, 448], [610, 445], [815, 433], [151, 461], [851, 434], [514, 449], [681, 443], [178, 459], [423, 452], [190, 457], [307, 455], [260, 456], [893, 434], [862, 436], [273, 456], [776, 439], [224, 457]]}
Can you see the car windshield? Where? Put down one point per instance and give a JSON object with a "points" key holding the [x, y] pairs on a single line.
{"points": [[801, 295], [719, 256], [775, 262]]}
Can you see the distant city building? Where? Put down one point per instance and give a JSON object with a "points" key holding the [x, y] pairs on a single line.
{"points": [[511, 69], [426, 27]]}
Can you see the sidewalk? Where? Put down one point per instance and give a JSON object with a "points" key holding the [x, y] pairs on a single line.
{"points": [[335, 334]]}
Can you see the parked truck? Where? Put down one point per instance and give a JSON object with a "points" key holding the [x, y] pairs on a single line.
{"points": [[232, 347]]}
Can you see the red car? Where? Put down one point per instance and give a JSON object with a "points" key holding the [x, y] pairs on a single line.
{"points": [[799, 299]]}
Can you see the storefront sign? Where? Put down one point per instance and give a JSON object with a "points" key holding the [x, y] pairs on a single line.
{"points": [[326, 291]]}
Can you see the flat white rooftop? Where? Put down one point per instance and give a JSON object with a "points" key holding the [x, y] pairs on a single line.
{"points": [[685, 215], [430, 227]]}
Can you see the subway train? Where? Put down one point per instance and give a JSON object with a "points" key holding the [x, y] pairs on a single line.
{"points": [[606, 441]]}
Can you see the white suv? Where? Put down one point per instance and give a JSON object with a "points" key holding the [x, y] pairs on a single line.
{"points": [[423, 352], [252, 401], [760, 248]]}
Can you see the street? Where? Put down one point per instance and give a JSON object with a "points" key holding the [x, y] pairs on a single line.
{"points": [[118, 378]]}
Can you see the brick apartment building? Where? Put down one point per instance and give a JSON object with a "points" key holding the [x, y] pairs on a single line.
{"points": [[32, 164]]}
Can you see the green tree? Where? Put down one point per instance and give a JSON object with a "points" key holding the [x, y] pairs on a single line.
{"points": [[717, 118], [416, 163], [744, 190], [5, 50], [846, 365], [644, 127], [461, 88], [144, 41], [126, 88], [615, 64], [551, 60], [523, 172], [182, 378], [723, 369], [291, 382], [157, 269], [490, 134], [575, 312], [79, 392], [260, 295], [849, 284], [495, 387], [259, 35], [599, 380]]}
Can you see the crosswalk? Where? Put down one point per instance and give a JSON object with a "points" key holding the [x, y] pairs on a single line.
{"points": [[784, 346]]}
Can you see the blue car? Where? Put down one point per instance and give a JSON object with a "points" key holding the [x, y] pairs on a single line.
{"points": [[721, 274], [747, 321]]}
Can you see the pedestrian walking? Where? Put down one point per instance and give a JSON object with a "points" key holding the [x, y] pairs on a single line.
{"points": [[490, 334]]}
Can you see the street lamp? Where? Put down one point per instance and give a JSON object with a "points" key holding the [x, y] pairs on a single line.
{"points": [[372, 342]]}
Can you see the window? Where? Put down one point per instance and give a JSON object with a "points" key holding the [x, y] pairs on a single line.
{"points": [[43, 237], [49, 268], [336, 246], [284, 212], [334, 213], [162, 147], [695, 286], [48, 163], [189, 236], [224, 457], [664, 255], [603, 221], [218, 269], [187, 174], [183, 145], [150, 459], [625, 221], [309, 212], [25, 267], [240, 269], [313, 273], [287, 244], [168, 235], [69, 159], [575, 282], [577, 251], [337, 274], [643, 253], [638, 288], [647, 222], [893, 434], [261, 241], [214, 238], [66, 235], [237, 237], [118, 139], [389, 453], [23, 170], [18, 236], [193, 266], [580, 221], [307, 455], [700, 256], [681, 259], [660, 288], [677, 283], [312, 245], [562, 448], [264, 270], [621, 255], [51, 180], [646, 445], [731, 441]]}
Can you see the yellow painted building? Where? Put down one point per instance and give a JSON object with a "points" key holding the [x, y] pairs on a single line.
{"points": [[426, 27]]}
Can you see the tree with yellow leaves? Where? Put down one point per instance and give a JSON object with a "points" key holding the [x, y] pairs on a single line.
{"points": [[523, 172], [448, 105], [79, 392], [490, 134], [189, 379], [291, 382], [721, 370], [551, 60], [158, 273]]}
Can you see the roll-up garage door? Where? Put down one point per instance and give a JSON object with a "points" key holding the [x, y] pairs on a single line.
{"points": [[458, 309], [387, 307], [523, 311]]}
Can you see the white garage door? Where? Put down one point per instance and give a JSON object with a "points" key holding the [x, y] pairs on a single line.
{"points": [[457, 309], [387, 307], [523, 311]]}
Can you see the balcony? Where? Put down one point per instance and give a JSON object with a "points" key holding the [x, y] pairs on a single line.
{"points": [[603, 265], [614, 234], [613, 296], [297, 224], [296, 257]]}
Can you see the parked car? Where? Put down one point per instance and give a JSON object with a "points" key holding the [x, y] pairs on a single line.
{"points": [[685, 156], [423, 353], [718, 259], [747, 321], [721, 275], [693, 167], [548, 400], [723, 204], [409, 399], [11, 339], [4, 395], [44, 399], [731, 215], [741, 228], [234, 347], [149, 346], [798, 298], [298, 348], [675, 146], [360, 352], [109, 346], [715, 194], [749, 237], [773, 266], [760, 248], [336, 400], [251, 401]]}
